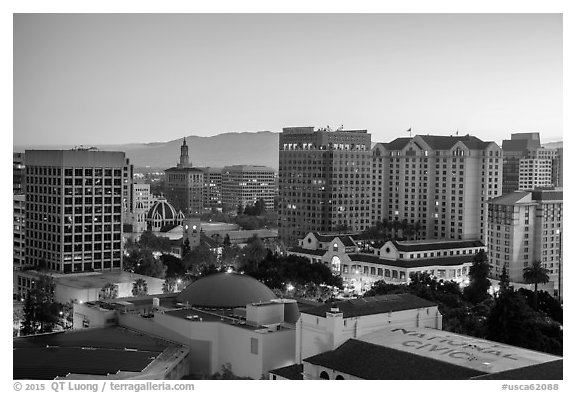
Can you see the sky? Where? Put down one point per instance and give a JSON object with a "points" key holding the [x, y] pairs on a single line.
{"points": [[129, 78]]}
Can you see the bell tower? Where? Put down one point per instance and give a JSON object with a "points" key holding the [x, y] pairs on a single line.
{"points": [[184, 159]]}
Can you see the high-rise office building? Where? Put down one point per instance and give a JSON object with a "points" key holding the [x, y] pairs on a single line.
{"points": [[517, 147], [525, 226], [74, 209], [185, 185], [529, 165], [439, 182], [559, 172], [246, 184], [324, 181], [19, 222], [18, 209], [18, 173], [534, 173], [212, 192]]}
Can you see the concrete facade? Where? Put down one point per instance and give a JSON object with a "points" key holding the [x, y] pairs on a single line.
{"points": [[440, 182], [324, 181], [525, 226], [246, 184], [75, 203]]}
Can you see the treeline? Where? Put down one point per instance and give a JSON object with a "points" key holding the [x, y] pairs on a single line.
{"points": [[522, 318]]}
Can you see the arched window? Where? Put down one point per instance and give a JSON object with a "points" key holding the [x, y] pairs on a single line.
{"points": [[324, 375], [339, 377]]}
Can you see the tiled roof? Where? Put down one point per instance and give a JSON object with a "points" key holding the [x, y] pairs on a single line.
{"points": [[208, 241], [508, 199], [411, 263], [375, 362], [301, 250], [346, 239], [434, 246], [544, 371], [372, 305], [293, 372], [440, 142], [397, 144], [323, 238]]}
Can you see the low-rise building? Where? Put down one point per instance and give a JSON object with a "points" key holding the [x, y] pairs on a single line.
{"points": [[84, 287], [114, 353], [428, 354], [326, 327], [393, 262]]}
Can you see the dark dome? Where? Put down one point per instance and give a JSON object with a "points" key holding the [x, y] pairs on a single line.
{"points": [[225, 290]]}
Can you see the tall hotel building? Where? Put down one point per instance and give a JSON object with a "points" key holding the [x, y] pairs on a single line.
{"points": [[324, 181], [440, 182], [246, 184], [525, 226], [74, 209]]}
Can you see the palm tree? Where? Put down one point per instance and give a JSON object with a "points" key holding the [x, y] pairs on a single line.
{"points": [[109, 291], [536, 274], [140, 287]]}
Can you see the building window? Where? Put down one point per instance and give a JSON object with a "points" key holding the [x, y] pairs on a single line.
{"points": [[254, 346]]}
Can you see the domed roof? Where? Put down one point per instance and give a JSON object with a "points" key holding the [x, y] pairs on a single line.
{"points": [[225, 290], [162, 210]]}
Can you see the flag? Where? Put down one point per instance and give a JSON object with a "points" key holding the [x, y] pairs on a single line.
{"points": [[409, 129]]}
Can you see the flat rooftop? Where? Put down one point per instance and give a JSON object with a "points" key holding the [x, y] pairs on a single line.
{"points": [[225, 316], [94, 352], [98, 279], [371, 305]]}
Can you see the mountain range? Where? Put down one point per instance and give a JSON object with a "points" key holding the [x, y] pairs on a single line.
{"points": [[242, 148], [232, 148]]}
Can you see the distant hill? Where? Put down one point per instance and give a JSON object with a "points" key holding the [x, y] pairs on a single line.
{"points": [[553, 145], [250, 148]]}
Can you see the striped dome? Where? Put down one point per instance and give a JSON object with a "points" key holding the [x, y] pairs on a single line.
{"points": [[162, 210]]}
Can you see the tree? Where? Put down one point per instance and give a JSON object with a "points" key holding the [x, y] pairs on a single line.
{"points": [[201, 255], [341, 228], [108, 291], [240, 209], [277, 271], [40, 311], [253, 253], [227, 242], [169, 285], [140, 287], [143, 262], [504, 283], [512, 321], [536, 274], [477, 291], [230, 255], [547, 304], [152, 242], [174, 265]]}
